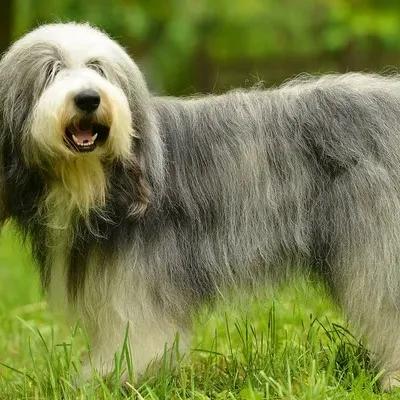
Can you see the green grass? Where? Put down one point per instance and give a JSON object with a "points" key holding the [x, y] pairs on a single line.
{"points": [[294, 346]]}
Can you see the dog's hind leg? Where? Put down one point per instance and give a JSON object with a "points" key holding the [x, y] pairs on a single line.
{"points": [[372, 305], [361, 227]]}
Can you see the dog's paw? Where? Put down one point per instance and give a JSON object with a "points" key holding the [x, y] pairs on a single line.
{"points": [[90, 371]]}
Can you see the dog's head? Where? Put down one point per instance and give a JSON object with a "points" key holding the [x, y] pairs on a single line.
{"points": [[72, 105]]}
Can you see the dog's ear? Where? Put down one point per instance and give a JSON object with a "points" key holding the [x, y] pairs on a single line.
{"points": [[11, 117], [19, 184], [142, 190], [129, 191], [147, 167], [4, 212]]}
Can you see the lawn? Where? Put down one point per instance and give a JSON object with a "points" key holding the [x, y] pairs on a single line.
{"points": [[293, 346]]}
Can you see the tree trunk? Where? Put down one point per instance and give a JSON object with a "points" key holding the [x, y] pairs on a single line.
{"points": [[5, 24]]}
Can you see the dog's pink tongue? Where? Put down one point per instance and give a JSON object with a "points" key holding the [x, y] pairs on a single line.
{"points": [[83, 135], [84, 131]]}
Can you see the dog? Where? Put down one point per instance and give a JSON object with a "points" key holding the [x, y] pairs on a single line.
{"points": [[140, 209]]}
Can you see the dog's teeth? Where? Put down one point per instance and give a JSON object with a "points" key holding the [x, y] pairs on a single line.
{"points": [[86, 143]]}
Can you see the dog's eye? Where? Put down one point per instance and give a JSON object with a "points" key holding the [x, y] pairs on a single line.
{"points": [[52, 69], [96, 66]]}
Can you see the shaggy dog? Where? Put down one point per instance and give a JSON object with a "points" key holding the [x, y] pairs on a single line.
{"points": [[141, 208]]}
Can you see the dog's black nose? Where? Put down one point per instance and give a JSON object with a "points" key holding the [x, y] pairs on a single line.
{"points": [[87, 100]]}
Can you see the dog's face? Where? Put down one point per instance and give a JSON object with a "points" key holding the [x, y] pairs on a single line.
{"points": [[75, 77], [72, 102]]}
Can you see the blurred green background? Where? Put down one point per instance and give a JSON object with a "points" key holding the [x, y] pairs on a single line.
{"points": [[213, 45], [188, 47]]}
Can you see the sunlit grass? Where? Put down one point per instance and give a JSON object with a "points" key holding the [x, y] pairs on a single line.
{"points": [[294, 346]]}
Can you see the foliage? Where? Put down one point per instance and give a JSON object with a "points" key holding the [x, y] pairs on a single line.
{"points": [[191, 45]]}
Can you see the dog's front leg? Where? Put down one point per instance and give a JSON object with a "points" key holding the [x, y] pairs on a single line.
{"points": [[138, 329]]}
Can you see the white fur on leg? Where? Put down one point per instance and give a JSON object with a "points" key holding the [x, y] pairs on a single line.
{"points": [[149, 341], [114, 303], [390, 381]]}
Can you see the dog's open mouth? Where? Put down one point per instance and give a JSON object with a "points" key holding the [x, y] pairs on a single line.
{"points": [[85, 135]]}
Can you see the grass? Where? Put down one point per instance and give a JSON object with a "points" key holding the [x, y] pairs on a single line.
{"points": [[294, 346]]}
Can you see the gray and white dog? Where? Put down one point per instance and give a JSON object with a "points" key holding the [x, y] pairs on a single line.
{"points": [[141, 208]]}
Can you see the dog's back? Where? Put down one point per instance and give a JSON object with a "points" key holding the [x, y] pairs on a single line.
{"points": [[305, 169], [308, 172]]}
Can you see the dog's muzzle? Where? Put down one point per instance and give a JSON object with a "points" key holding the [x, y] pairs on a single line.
{"points": [[86, 133]]}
